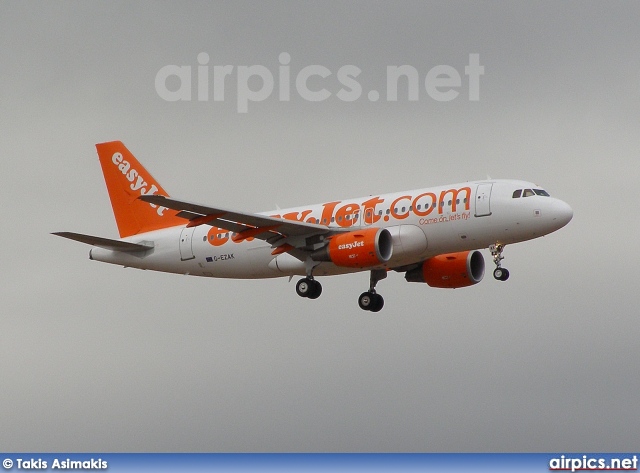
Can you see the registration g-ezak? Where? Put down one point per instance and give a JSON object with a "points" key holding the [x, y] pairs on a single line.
{"points": [[431, 235]]}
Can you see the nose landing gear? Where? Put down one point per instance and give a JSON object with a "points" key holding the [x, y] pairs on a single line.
{"points": [[500, 273]]}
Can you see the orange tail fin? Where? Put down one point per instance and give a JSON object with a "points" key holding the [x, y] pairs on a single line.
{"points": [[127, 180]]}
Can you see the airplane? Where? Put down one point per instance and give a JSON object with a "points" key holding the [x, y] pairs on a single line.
{"points": [[432, 235]]}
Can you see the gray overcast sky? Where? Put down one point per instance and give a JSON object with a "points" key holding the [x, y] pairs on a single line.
{"points": [[95, 357]]}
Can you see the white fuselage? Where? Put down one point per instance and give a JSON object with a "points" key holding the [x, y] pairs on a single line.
{"points": [[423, 223]]}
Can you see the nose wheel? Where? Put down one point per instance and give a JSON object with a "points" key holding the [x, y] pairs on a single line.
{"points": [[500, 273]]}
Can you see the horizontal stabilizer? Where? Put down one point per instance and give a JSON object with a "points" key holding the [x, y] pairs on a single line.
{"points": [[106, 243]]}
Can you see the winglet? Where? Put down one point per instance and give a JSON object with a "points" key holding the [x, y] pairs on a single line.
{"points": [[127, 180]]}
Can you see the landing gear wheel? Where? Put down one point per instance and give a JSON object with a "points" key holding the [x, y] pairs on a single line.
{"points": [[371, 301], [501, 274], [304, 287], [316, 289], [365, 301], [309, 288], [378, 303]]}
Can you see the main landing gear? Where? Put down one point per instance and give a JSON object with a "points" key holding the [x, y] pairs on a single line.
{"points": [[500, 273], [371, 300], [309, 287]]}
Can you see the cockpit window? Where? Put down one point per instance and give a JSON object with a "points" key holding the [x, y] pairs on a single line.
{"points": [[541, 192], [517, 194], [528, 193]]}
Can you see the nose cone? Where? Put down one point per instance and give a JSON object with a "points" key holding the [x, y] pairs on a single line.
{"points": [[562, 213]]}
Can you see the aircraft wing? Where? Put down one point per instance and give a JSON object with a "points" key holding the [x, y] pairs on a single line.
{"points": [[106, 243], [276, 231]]}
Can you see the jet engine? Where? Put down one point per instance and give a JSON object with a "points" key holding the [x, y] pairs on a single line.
{"points": [[358, 249], [451, 270]]}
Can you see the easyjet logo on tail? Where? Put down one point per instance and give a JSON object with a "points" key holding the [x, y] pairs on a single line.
{"points": [[137, 181], [127, 179]]}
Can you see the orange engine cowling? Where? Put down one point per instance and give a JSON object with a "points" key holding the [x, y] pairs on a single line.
{"points": [[358, 249], [450, 271]]}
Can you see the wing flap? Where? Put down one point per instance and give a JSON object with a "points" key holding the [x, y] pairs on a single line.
{"points": [[106, 243]]}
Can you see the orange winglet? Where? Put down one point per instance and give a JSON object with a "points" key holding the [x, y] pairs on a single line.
{"points": [[282, 249], [202, 220], [251, 232]]}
